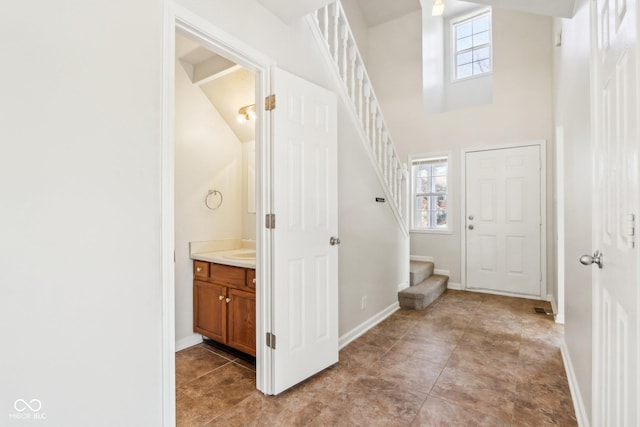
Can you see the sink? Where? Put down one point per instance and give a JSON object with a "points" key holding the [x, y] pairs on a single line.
{"points": [[249, 255]]}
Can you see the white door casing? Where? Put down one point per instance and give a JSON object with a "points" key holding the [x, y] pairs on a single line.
{"points": [[503, 221], [305, 200], [616, 299]]}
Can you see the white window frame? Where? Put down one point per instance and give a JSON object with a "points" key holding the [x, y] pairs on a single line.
{"points": [[453, 43], [431, 156]]}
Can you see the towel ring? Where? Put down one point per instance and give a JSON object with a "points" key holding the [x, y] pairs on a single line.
{"points": [[209, 194]]}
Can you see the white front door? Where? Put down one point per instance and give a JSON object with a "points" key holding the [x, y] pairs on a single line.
{"points": [[615, 208], [305, 204], [503, 221]]}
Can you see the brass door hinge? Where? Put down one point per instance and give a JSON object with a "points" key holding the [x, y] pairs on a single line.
{"points": [[270, 221], [270, 102], [271, 340]]}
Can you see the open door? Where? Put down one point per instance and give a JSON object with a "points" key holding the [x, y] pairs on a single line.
{"points": [[304, 332], [616, 293]]}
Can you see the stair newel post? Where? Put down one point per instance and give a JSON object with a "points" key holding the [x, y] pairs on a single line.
{"points": [[336, 28], [360, 75], [352, 69]]}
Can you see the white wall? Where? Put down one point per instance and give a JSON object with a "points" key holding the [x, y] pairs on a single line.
{"points": [[248, 219], [80, 269], [521, 108], [572, 112], [208, 155], [80, 163], [358, 25]]}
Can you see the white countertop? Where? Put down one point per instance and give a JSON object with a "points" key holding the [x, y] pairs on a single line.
{"points": [[232, 257]]}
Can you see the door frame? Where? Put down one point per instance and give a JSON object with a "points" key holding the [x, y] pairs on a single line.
{"points": [[178, 18], [542, 144]]}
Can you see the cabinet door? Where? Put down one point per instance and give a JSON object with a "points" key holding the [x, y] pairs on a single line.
{"points": [[242, 321], [210, 310]]}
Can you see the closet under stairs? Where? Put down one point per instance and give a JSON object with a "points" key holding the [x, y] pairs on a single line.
{"points": [[425, 287]]}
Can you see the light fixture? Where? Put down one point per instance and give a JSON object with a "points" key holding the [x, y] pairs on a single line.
{"points": [[248, 112], [438, 8]]}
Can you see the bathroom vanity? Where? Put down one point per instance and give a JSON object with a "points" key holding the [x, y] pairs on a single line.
{"points": [[224, 298]]}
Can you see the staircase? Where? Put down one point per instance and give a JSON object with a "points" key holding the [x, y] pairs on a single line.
{"points": [[331, 29], [425, 287]]}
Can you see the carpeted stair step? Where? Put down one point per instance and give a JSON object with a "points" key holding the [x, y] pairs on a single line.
{"points": [[419, 271], [418, 297]]}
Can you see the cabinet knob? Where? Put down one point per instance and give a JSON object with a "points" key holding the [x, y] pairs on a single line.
{"points": [[254, 280], [228, 300], [221, 297], [199, 269]]}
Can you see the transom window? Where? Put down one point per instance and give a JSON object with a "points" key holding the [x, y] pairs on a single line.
{"points": [[472, 46], [430, 180]]}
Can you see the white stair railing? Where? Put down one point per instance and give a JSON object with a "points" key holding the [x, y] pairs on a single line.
{"points": [[331, 27]]}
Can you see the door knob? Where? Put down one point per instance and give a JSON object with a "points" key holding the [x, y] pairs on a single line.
{"points": [[471, 227], [334, 241], [228, 300], [595, 259], [221, 297]]}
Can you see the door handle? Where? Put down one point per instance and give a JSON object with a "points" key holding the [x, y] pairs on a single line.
{"points": [[595, 259], [334, 241]]}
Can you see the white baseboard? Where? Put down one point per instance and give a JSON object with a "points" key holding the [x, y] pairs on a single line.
{"points": [[455, 286], [578, 403], [187, 342], [359, 330], [559, 318], [421, 258]]}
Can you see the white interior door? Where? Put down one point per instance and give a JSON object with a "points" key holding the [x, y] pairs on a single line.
{"points": [[615, 209], [503, 221], [305, 203]]}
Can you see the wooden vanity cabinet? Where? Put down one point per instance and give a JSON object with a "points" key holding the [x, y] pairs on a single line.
{"points": [[224, 305]]}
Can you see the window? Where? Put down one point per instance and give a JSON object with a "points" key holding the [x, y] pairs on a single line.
{"points": [[430, 179], [471, 41]]}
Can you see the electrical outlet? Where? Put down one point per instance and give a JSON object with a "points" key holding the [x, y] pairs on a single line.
{"points": [[363, 305]]}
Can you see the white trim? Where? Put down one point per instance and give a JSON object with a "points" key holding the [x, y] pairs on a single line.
{"points": [[442, 272], [189, 341], [411, 196], [506, 294], [421, 258], [560, 233], [168, 218], [178, 18], [453, 79], [455, 286], [362, 328], [578, 402], [543, 213]]}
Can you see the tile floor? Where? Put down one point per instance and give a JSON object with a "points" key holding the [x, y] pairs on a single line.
{"points": [[469, 359]]}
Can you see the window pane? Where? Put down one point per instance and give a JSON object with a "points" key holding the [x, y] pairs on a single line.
{"points": [[480, 24], [464, 58], [440, 169], [464, 43], [481, 38], [441, 218], [480, 54], [464, 71], [481, 67], [464, 30], [440, 184]]}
